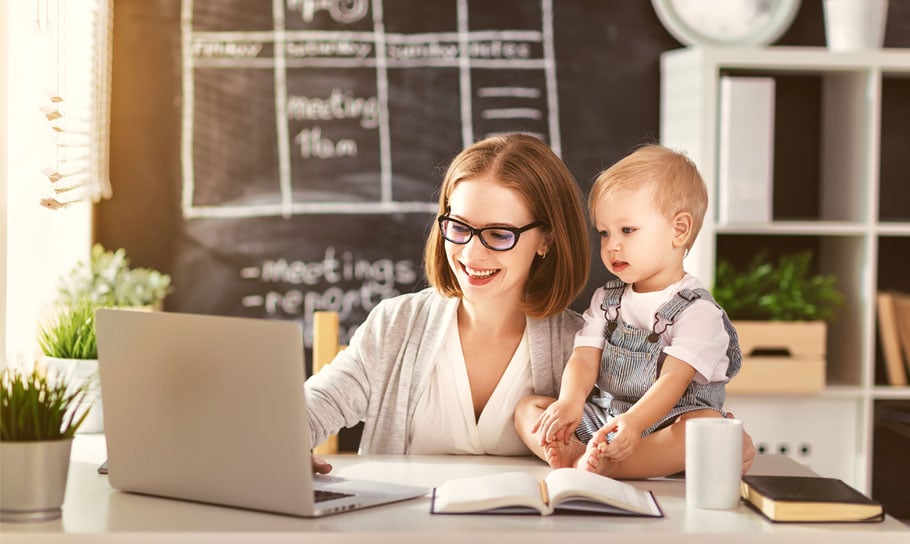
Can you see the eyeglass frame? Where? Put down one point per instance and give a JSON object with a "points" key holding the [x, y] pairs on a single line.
{"points": [[479, 232]]}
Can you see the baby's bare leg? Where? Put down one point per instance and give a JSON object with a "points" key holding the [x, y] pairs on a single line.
{"points": [[661, 453]]}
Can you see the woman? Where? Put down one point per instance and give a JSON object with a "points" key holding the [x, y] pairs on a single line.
{"points": [[441, 370]]}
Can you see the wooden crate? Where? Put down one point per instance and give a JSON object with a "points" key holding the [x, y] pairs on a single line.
{"points": [[780, 357]]}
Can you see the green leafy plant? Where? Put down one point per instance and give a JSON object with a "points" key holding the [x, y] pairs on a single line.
{"points": [[36, 407], [788, 291], [108, 280], [70, 334]]}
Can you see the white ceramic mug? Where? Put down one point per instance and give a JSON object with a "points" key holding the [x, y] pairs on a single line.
{"points": [[714, 460]]}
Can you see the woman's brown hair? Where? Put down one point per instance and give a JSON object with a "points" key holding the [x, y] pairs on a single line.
{"points": [[529, 167]]}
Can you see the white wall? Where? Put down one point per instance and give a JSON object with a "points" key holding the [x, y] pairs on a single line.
{"points": [[4, 47], [38, 244]]}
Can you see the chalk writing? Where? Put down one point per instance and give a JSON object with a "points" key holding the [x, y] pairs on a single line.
{"points": [[332, 269], [223, 49], [343, 283], [312, 144], [342, 11], [321, 48], [338, 105], [429, 50]]}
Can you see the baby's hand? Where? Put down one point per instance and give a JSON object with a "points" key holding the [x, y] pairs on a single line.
{"points": [[617, 440], [557, 422]]}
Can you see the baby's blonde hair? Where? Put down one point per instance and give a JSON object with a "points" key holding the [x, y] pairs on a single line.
{"points": [[677, 184]]}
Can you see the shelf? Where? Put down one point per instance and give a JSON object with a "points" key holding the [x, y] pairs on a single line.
{"points": [[811, 60], [829, 392], [841, 391], [890, 392], [878, 392], [839, 188], [893, 229], [815, 228]]}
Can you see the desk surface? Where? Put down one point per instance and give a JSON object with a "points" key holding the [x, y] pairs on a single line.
{"points": [[95, 512]]}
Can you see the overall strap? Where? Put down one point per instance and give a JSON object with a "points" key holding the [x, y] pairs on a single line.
{"points": [[680, 301], [614, 289]]}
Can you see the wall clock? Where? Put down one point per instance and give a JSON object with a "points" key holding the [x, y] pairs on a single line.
{"points": [[726, 22]]}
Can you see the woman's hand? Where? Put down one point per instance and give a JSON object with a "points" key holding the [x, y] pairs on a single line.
{"points": [[320, 466]]}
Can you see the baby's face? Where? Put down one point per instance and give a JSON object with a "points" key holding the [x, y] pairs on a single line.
{"points": [[636, 240]]}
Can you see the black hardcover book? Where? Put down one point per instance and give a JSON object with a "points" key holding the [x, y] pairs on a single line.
{"points": [[807, 498]]}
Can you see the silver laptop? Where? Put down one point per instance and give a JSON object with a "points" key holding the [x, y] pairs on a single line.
{"points": [[211, 409]]}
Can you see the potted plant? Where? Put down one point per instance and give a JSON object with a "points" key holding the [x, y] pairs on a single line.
{"points": [[70, 350], [780, 312], [37, 423], [108, 280]]}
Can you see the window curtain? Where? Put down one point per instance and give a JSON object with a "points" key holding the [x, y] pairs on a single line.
{"points": [[78, 34]]}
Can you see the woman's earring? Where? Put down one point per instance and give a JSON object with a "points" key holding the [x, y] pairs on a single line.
{"points": [[543, 255]]}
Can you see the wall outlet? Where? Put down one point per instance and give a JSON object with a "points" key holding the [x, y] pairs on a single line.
{"points": [[821, 433]]}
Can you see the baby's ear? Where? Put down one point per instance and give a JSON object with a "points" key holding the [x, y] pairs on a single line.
{"points": [[682, 229]]}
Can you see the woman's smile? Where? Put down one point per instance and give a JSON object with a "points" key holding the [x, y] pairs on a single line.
{"points": [[478, 276]]}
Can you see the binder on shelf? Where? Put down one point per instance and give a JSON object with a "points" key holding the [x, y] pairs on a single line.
{"points": [[902, 317], [745, 172], [889, 336]]}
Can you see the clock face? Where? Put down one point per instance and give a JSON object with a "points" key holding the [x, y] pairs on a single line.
{"points": [[726, 22]]}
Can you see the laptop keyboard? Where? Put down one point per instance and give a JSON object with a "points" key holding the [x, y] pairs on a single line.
{"points": [[322, 495]]}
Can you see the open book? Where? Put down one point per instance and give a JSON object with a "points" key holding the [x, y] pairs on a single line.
{"points": [[564, 489]]}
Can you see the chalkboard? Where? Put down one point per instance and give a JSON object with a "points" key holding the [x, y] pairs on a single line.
{"points": [[282, 157]]}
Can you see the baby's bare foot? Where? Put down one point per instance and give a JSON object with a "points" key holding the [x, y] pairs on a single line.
{"points": [[594, 459], [589, 458], [560, 455]]}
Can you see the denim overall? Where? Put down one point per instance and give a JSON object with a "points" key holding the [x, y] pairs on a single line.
{"points": [[632, 359]]}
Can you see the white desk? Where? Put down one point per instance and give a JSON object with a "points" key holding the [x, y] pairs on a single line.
{"points": [[94, 512]]}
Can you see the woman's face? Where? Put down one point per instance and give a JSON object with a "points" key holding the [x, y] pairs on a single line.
{"points": [[483, 274]]}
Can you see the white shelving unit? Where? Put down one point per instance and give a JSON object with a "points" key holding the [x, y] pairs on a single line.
{"points": [[832, 432]]}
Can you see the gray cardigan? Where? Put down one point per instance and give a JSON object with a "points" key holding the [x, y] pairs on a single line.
{"points": [[386, 368]]}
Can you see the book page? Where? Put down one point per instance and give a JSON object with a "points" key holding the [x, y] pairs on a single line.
{"points": [[481, 493], [571, 483]]}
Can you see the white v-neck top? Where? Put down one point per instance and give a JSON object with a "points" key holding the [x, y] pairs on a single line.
{"points": [[444, 423]]}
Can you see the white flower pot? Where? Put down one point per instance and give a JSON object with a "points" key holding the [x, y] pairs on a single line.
{"points": [[34, 479], [76, 372]]}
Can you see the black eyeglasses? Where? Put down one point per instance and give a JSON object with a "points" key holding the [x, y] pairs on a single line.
{"points": [[495, 238]]}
